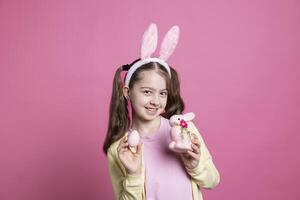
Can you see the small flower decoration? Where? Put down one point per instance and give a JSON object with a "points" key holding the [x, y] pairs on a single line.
{"points": [[183, 123]]}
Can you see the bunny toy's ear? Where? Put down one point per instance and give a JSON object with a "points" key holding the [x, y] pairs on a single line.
{"points": [[169, 43], [149, 42], [189, 116]]}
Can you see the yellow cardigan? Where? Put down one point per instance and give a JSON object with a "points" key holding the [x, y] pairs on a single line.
{"points": [[126, 187]]}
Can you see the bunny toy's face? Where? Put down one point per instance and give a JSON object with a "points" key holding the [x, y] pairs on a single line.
{"points": [[175, 119]]}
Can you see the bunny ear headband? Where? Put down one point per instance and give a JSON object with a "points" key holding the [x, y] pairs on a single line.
{"points": [[149, 44]]}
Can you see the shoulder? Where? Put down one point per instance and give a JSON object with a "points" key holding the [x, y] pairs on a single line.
{"points": [[165, 123], [163, 119]]}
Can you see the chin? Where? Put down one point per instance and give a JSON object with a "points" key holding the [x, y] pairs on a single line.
{"points": [[148, 117]]}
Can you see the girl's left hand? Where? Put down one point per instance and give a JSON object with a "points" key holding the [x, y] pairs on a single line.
{"points": [[191, 158]]}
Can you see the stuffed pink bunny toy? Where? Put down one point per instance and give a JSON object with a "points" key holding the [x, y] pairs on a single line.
{"points": [[180, 134]]}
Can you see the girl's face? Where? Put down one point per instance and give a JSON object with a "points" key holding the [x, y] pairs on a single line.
{"points": [[149, 95]]}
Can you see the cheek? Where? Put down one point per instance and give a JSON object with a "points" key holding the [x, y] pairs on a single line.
{"points": [[141, 100], [164, 102]]}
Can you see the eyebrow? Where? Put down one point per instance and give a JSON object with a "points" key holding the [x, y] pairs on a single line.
{"points": [[150, 88]]}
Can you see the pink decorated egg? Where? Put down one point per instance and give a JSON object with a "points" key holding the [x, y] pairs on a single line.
{"points": [[133, 138]]}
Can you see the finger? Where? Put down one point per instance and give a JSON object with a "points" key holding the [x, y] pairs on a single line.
{"points": [[123, 143], [196, 145], [121, 147], [194, 136], [195, 140], [196, 148], [125, 137], [193, 155], [124, 148], [184, 156], [123, 140]]}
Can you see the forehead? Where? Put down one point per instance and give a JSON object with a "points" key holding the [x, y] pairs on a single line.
{"points": [[151, 79]]}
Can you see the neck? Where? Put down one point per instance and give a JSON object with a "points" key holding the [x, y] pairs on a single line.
{"points": [[145, 128]]}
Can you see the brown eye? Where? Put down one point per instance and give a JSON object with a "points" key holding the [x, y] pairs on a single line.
{"points": [[164, 94], [147, 92]]}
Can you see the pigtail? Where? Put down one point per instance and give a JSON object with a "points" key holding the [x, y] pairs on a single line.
{"points": [[119, 120], [175, 104]]}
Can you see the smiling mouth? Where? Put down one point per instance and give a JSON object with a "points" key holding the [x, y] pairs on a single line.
{"points": [[151, 110]]}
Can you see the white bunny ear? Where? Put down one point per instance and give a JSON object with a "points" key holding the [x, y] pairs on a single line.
{"points": [[189, 116], [149, 42], [169, 43]]}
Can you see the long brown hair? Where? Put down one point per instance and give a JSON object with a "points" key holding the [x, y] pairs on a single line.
{"points": [[119, 120]]}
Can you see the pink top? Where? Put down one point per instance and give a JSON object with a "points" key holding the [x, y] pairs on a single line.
{"points": [[166, 177]]}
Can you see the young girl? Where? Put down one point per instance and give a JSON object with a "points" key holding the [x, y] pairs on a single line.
{"points": [[151, 170]]}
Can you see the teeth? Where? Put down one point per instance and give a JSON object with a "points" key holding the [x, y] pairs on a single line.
{"points": [[151, 109]]}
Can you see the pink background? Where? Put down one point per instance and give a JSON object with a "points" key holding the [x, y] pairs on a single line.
{"points": [[239, 65]]}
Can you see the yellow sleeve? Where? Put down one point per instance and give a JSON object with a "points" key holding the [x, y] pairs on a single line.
{"points": [[205, 174], [125, 187]]}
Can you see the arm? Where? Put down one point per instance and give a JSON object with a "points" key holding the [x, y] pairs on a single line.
{"points": [[205, 174], [125, 186]]}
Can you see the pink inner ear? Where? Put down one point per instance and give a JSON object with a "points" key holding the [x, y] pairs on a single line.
{"points": [[149, 42], [169, 43], [189, 116]]}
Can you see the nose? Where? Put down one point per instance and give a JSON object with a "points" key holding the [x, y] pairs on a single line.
{"points": [[154, 100]]}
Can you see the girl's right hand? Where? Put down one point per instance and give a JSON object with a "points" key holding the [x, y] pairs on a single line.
{"points": [[132, 161]]}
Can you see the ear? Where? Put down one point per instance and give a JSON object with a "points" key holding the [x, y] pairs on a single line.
{"points": [[189, 116], [169, 43], [149, 42], [126, 92]]}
